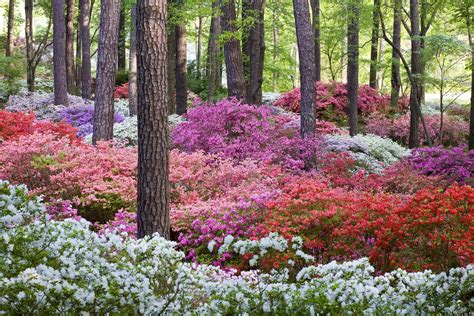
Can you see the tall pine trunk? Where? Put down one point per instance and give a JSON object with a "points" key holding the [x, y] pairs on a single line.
{"points": [[415, 93], [232, 52], [171, 42], [374, 45], [153, 168], [78, 55], [70, 69], [395, 68], [305, 39], [181, 68], [256, 54], [30, 69], [353, 63], [471, 44], [317, 37], [59, 52], [213, 54], [84, 21], [199, 48], [106, 69], [132, 70], [122, 58], [10, 27]]}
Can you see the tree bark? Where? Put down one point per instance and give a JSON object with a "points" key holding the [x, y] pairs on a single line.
{"points": [[10, 27], [305, 40], [232, 52], [106, 69], [59, 53], [30, 71], [86, 78], [199, 48], [353, 63], [122, 58], [374, 45], [317, 37], [213, 54], [153, 168], [181, 69], [132, 70], [171, 42], [395, 67], [70, 69], [415, 93], [471, 44], [78, 56]]}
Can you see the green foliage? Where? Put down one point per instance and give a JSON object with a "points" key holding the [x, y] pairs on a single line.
{"points": [[11, 70]]}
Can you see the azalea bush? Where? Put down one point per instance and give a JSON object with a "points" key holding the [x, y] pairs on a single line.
{"points": [[46, 266], [455, 131], [121, 92], [453, 164], [14, 125]]}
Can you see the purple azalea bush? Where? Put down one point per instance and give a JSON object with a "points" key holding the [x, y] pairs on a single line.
{"points": [[81, 116], [452, 164], [242, 131]]}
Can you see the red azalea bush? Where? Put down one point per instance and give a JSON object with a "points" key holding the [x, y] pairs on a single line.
{"points": [[432, 230], [332, 100], [121, 92], [455, 131], [14, 125]]}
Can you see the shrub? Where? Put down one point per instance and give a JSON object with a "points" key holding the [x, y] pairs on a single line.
{"points": [[121, 92], [454, 164], [455, 131], [14, 125]]}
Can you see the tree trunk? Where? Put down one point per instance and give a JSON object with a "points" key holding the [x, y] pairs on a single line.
{"points": [[106, 69], [374, 45], [181, 69], [232, 52], [122, 59], [471, 44], [199, 48], [132, 70], [305, 40], [317, 38], [70, 70], [353, 63], [153, 168], [10, 27], [86, 77], [30, 72], [213, 54], [256, 54], [395, 75], [59, 53], [78, 56], [415, 94], [171, 42]]}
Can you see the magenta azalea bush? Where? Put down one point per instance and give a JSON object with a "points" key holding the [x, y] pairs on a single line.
{"points": [[454, 132], [453, 164]]}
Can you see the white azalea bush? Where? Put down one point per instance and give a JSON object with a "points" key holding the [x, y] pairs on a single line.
{"points": [[63, 267], [371, 152]]}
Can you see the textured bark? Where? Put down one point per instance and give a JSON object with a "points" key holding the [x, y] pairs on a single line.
{"points": [[317, 37], [181, 70], [353, 64], [30, 71], [78, 55], [122, 58], [395, 68], [59, 53], [70, 69], [255, 53], [213, 54], [415, 93], [471, 44], [374, 45], [10, 26], [84, 21], [153, 169], [171, 42], [106, 69], [132, 70], [199, 48], [232, 52], [305, 39]]}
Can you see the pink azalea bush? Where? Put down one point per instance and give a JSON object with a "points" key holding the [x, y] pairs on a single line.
{"points": [[455, 131], [332, 100]]}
